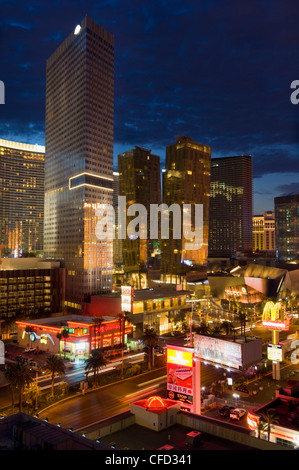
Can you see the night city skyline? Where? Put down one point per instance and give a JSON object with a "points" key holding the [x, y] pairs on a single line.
{"points": [[219, 72]]}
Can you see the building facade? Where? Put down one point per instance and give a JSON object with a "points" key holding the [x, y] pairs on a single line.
{"points": [[186, 180], [230, 229], [30, 288], [84, 335], [22, 169], [263, 232], [79, 158], [287, 227], [139, 183]]}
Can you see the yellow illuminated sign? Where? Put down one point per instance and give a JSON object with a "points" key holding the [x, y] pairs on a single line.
{"points": [[182, 358], [274, 316]]}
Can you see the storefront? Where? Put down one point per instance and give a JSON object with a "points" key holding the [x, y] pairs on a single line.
{"points": [[76, 335]]}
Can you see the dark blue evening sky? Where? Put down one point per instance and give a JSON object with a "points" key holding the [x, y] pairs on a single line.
{"points": [[218, 71]]}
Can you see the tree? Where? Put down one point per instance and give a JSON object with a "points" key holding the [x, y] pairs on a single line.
{"points": [[151, 338], [226, 325], [242, 319], [54, 365], [19, 376], [63, 335], [269, 418], [217, 330], [203, 328], [95, 363], [10, 376], [97, 323], [29, 331], [123, 317]]}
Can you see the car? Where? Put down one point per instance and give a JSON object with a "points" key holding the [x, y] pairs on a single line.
{"points": [[226, 410], [38, 351], [237, 414], [20, 358], [29, 349]]}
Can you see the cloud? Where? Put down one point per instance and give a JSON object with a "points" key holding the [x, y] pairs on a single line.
{"points": [[218, 71]]}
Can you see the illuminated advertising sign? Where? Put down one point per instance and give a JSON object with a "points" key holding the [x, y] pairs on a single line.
{"points": [[180, 374], [275, 317], [275, 352], [218, 351], [127, 298]]}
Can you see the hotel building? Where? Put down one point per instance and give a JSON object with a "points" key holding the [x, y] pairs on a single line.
{"points": [[22, 168], [287, 227], [186, 180], [30, 288], [230, 228], [263, 232], [79, 159], [139, 182]]}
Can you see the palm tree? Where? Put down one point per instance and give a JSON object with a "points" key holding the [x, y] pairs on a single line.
{"points": [[64, 334], [226, 325], [54, 365], [95, 363], [19, 376], [10, 376], [204, 328], [150, 337], [97, 323], [123, 317], [269, 418], [242, 319], [29, 330], [217, 330]]}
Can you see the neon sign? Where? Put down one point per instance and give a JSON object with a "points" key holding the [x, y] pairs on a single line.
{"points": [[182, 358], [274, 317]]}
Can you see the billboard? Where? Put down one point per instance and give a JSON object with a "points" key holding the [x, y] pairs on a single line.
{"points": [[275, 352], [228, 353], [219, 351], [127, 298], [180, 374]]}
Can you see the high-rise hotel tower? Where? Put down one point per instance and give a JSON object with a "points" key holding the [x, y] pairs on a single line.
{"points": [[22, 169], [230, 229], [79, 158], [186, 180]]}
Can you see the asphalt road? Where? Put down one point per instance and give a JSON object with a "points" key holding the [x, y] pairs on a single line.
{"points": [[85, 410]]}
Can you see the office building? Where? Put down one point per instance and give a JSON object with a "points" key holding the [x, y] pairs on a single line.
{"points": [[139, 182], [79, 159], [287, 227], [230, 231], [22, 168], [263, 232], [186, 180]]}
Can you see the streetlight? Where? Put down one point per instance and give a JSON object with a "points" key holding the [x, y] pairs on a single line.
{"points": [[191, 301]]}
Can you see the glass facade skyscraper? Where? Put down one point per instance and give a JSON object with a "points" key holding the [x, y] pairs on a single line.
{"points": [[287, 227], [22, 170], [79, 158], [230, 228], [140, 183], [186, 180]]}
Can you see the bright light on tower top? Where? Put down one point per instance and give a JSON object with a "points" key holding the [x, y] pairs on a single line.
{"points": [[77, 29]]}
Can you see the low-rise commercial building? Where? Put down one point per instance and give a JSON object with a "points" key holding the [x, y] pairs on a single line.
{"points": [[153, 308], [83, 334]]}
